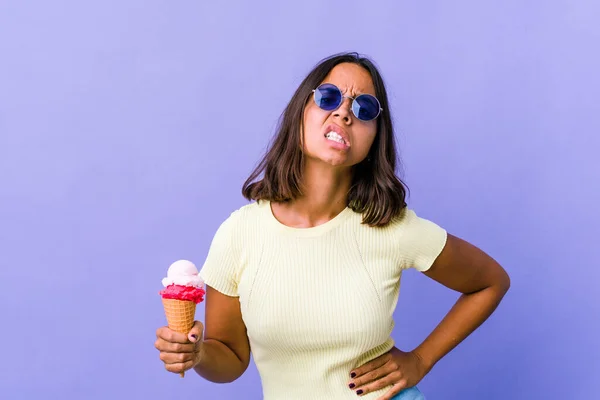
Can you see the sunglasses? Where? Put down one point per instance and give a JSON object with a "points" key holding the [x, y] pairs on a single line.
{"points": [[364, 107]]}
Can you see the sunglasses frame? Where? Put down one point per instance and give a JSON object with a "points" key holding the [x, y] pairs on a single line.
{"points": [[349, 97]]}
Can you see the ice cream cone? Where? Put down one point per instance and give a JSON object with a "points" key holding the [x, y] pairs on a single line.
{"points": [[183, 289], [180, 316]]}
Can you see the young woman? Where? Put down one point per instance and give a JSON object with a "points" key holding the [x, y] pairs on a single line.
{"points": [[308, 275]]}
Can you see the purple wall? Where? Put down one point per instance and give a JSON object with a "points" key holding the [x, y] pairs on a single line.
{"points": [[128, 127]]}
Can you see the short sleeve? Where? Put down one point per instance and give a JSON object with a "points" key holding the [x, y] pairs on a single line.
{"points": [[421, 241], [221, 267]]}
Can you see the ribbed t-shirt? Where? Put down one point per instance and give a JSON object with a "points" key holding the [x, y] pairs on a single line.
{"points": [[317, 302]]}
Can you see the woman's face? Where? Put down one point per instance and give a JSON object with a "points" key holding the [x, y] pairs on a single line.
{"points": [[357, 136]]}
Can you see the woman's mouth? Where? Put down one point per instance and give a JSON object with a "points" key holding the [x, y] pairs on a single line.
{"points": [[335, 137]]}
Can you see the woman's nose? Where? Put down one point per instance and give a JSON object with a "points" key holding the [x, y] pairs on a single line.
{"points": [[343, 111]]}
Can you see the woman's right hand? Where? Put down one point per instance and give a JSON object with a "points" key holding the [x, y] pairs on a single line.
{"points": [[179, 352]]}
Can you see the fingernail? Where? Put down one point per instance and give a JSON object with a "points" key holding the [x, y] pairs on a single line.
{"points": [[359, 391], [352, 385], [353, 375]]}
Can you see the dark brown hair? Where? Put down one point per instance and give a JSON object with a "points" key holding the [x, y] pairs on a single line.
{"points": [[376, 191]]}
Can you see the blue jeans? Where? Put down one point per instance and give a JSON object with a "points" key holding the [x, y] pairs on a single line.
{"points": [[409, 394]]}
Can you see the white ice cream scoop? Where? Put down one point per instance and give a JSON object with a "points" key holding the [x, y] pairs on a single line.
{"points": [[184, 273]]}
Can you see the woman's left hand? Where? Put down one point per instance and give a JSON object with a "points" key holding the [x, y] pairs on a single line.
{"points": [[398, 368]]}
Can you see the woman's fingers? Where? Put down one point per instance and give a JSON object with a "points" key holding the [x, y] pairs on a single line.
{"points": [[179, 367], [163, 345], [171, 336], [373, 375], [380, 378], [197, 332], [381, 383], [177, 351], [175, 358], [370, 366], [395, 371]]}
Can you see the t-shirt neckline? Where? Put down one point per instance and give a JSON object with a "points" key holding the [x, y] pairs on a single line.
{"points": [[305, 232]]}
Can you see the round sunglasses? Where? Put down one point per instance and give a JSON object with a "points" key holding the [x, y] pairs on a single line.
{"points": [[329, 97]]}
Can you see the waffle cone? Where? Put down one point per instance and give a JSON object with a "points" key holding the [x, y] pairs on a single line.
{"points": [[180, 315]]}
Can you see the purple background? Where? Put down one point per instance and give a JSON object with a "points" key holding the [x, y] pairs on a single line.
{"points": [[128, 127]]}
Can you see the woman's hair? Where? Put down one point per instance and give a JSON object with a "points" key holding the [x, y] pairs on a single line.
{"points": [[376, 192]]}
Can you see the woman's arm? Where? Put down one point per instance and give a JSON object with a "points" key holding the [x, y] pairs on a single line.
{"points": [[225, 352], [220, 353], [482, 282]]}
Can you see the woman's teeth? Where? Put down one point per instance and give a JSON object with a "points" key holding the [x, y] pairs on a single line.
{"points": [[335, 137]]}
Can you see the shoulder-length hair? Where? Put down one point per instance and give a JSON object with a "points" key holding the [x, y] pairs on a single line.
{"points": [[376, 192]]}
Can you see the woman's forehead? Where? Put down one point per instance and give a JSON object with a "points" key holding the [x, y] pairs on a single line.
{"points": [[351, 79]]}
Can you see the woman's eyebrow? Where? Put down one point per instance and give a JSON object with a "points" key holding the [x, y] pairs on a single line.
{"points": [[355, 94]]}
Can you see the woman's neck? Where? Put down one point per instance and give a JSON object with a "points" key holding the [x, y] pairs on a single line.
{"points": [[325, 194]]}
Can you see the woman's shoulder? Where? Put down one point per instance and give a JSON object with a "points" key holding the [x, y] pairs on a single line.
{"points": [[401, 220], [255, 208], [406, 223], [239, 226], [246, 214], [404, 217]]}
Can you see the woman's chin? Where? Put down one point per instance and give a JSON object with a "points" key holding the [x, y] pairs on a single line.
{"points": [[339, 161]]}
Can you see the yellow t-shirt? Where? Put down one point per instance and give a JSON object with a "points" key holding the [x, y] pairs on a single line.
{"points": [[318, 301]]}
